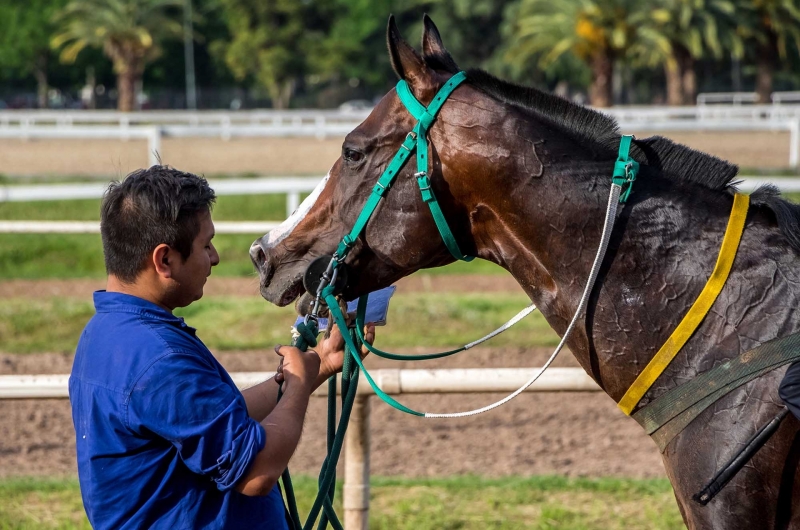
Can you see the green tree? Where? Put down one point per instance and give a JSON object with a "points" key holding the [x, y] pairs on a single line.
{"points": [[128, 32], [771, 25], [272, 41], [695, 29], [25, 30], [598, 32]]}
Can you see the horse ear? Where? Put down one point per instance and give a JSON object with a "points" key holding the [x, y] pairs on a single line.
{"points": [[433, 48], [406, 62]]}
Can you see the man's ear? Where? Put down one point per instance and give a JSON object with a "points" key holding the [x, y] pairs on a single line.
{"points": [[163, 257], [406, 62]]}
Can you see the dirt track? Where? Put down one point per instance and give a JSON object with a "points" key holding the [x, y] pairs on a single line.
{"points": [[576, 434], [569, 433], [296, 156]]}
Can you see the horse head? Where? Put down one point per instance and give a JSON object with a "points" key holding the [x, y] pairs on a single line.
{"points": [[473, 143]]}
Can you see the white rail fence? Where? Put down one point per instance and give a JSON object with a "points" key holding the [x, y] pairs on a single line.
{"points": [[357, 442], [292, 186], [649, 120], [729, 106]]}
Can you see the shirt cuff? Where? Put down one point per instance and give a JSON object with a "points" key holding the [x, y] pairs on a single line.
{"points": [[234, 464]]}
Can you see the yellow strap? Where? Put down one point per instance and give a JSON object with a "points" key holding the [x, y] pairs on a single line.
{"points": [[698, 311]]}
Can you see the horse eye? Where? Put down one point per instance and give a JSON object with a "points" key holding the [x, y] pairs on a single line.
{"points": [[351, 155]]}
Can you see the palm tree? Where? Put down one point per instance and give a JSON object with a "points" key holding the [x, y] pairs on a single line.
{"points": [[598, 32], [695, 28], [128, 31], [771, 25]]}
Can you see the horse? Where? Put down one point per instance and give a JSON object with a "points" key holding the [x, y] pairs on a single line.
{"points": [[522, 178]]}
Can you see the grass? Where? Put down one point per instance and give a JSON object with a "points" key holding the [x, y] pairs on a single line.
{"points": [[462, 503], [67, 256], [238, 323]]}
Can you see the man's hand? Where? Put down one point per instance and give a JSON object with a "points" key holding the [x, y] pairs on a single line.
{"points": [[298, 367], [331, 351]]}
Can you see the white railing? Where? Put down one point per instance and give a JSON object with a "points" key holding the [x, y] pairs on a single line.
{"points": [[291, 186], [737, 98], [332, 122], [93, 227], [792, 126], [734, 98], [357, 441], [653, 120], [151, 134], [273, 118]]}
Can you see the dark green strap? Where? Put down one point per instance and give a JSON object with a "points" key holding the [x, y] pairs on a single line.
{"points": [[360, 317], [416, 139], [338, 317], [676, 408], [426, 117], [625, 168]]}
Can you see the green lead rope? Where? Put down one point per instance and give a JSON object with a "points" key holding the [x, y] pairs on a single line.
{"points": [[323, 504]]}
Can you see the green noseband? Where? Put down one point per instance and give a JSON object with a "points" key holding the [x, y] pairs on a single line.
{"points": [[417, 140]]}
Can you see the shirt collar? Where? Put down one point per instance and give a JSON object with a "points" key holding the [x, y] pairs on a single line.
{"points": [[106, 302]]}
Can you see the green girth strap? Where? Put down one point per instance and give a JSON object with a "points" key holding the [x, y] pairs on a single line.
{"points": [[416, 139], [667, 415]]}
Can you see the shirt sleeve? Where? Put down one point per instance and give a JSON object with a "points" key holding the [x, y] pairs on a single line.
{"points": [[182, 398]]}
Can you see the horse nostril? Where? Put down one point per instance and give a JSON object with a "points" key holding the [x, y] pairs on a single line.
{"points": [[257, 255]]}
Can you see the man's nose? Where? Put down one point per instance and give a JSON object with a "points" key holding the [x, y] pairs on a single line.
{"points": [[214, 256]]}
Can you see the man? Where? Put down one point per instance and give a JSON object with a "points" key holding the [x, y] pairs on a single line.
{"points": [[164, 438]]}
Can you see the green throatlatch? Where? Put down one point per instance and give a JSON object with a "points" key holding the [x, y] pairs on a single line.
{"points": [[625, 168]]}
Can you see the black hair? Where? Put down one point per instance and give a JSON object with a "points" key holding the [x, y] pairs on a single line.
{"points": [[147, 208]]}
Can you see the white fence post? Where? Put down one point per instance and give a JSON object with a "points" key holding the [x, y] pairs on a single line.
{"points": [[794, 142], [292, 202], [356, 467], [153, 146]]}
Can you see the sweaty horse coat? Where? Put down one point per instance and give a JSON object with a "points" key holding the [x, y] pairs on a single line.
{"points": [[522, 178]]}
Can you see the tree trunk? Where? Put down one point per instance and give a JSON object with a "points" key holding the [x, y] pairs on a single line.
{"points": [[766, 53], [600, 91], [126, 88], [689, 77], [40, 73], [281, 94], [674, 85]]}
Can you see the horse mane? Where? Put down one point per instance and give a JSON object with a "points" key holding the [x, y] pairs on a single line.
{"points": [[673, 160], [676, 160]]}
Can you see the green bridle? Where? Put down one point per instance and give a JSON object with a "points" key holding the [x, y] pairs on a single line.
{"points": [[625, 171], [417, 140]]}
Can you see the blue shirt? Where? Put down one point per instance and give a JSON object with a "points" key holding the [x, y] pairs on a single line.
{"points": [[163, 434]]}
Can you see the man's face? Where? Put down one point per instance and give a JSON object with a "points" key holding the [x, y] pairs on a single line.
{"points": [[190, 276]]}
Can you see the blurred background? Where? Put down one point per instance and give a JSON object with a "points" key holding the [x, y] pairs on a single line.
{"points": [[242, 54], [257, 96]]}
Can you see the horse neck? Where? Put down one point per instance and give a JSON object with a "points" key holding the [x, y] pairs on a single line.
{"points": [[664, 243]]}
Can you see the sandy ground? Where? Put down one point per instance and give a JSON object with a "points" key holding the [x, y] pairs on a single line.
{"points": [[296, 156], [575, 434]]}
